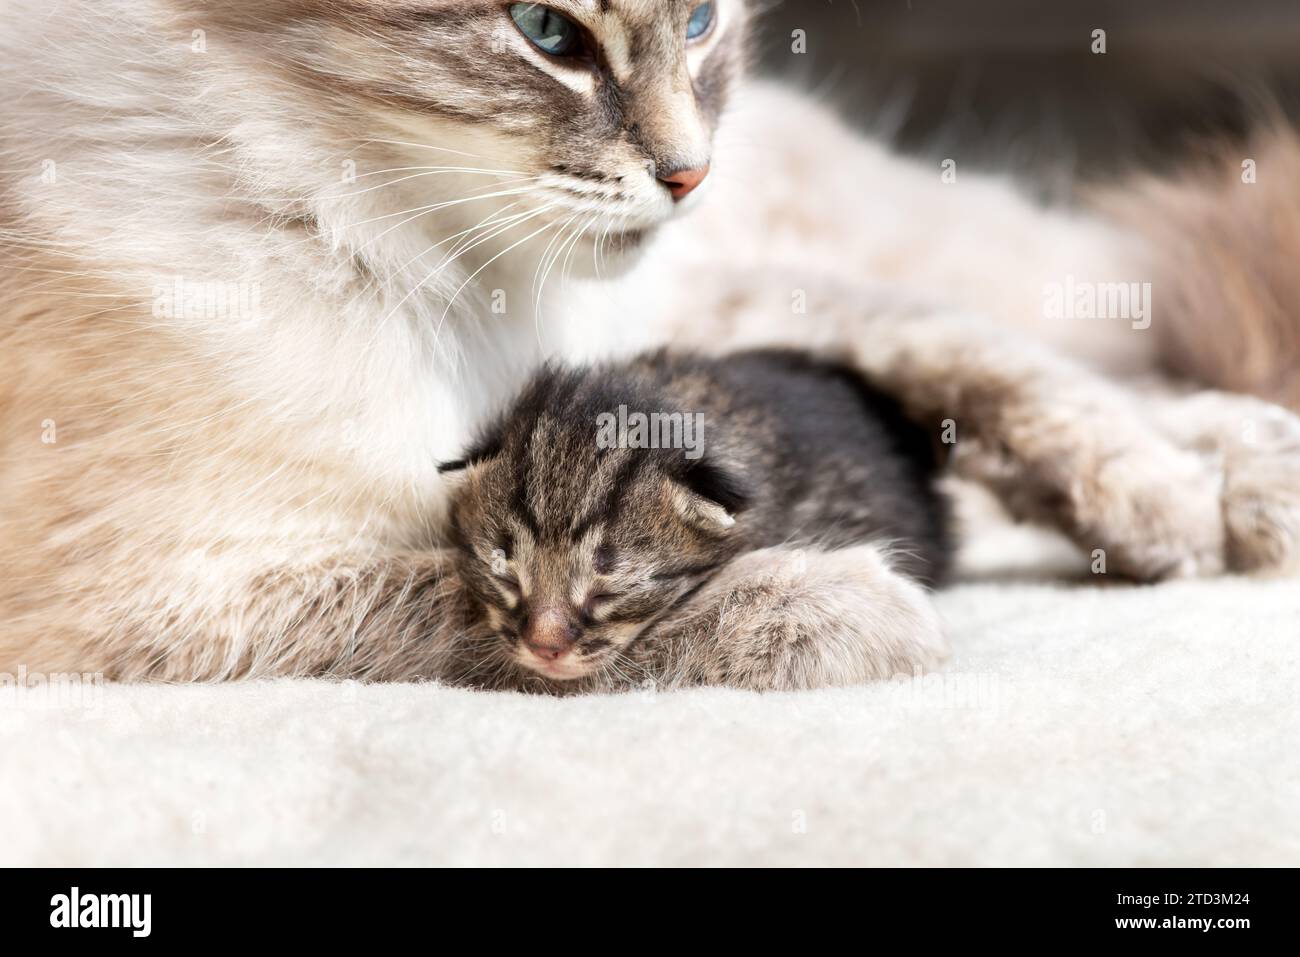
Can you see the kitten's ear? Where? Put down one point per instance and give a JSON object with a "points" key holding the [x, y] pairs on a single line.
{"points": [[487, 446], [709, 496]]}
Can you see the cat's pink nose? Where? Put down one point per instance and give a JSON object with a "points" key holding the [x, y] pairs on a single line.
{"points": [[547, 652], [681, 183], [550, 635]]}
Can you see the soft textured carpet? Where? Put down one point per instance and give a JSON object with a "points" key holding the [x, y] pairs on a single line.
{"points": [[1075, 724]]}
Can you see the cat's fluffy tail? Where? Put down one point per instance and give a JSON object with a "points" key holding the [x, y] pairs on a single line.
{"points": [[1226, 271]]}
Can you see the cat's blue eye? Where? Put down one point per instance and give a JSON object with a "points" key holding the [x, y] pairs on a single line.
{"points": [[700, 21], [549, 31]]}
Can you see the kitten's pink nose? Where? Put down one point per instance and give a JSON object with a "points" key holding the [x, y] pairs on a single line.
{"points": [[681, 183], [550, 635]]}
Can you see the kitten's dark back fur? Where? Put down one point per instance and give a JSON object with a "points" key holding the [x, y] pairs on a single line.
{"points": [[827, 459]]}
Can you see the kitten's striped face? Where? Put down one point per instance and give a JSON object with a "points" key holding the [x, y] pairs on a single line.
{"points": [[570, 569], [606, 109], [572, 550]]}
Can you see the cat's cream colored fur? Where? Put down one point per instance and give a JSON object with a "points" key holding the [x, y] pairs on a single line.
{"points": [[190, 498]]}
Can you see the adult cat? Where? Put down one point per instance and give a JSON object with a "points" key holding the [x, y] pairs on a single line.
{"points": [[267, 263]]}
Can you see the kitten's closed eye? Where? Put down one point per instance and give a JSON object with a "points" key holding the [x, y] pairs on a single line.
{"points": [[597, 603]]}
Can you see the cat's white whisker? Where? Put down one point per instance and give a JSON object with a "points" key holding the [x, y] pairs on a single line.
{"points": [[477, 272], [577, 237], [494, 230], [331, 197], [422, 146], [464, 234], [424, 211], [545, 265], [545, 256], [441, 169], [445, 204], [565, 249]]}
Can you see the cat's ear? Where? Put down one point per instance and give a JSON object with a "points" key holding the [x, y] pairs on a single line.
{"points": [[708, 495], [487, 446]]}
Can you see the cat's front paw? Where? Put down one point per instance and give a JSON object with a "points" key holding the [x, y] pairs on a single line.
{"points": [[786, 619], [1261, 507], [1154, 513], [1124, 494], [1257, 446], [1254, 448]]}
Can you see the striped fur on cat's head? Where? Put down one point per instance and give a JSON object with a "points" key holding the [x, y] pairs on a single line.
{"points": [[573, 548]]}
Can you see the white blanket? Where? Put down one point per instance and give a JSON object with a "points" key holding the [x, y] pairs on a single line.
{"points": [[1075, 724]]}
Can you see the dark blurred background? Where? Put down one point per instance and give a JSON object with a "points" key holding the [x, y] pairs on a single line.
{"points": [[1014, 84]]}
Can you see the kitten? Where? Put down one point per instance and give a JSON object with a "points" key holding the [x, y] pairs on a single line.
{"points": [[605, 495]]}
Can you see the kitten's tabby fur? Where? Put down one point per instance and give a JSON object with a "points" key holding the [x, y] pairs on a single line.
{"points": [[553, 521], [404, 182]]}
